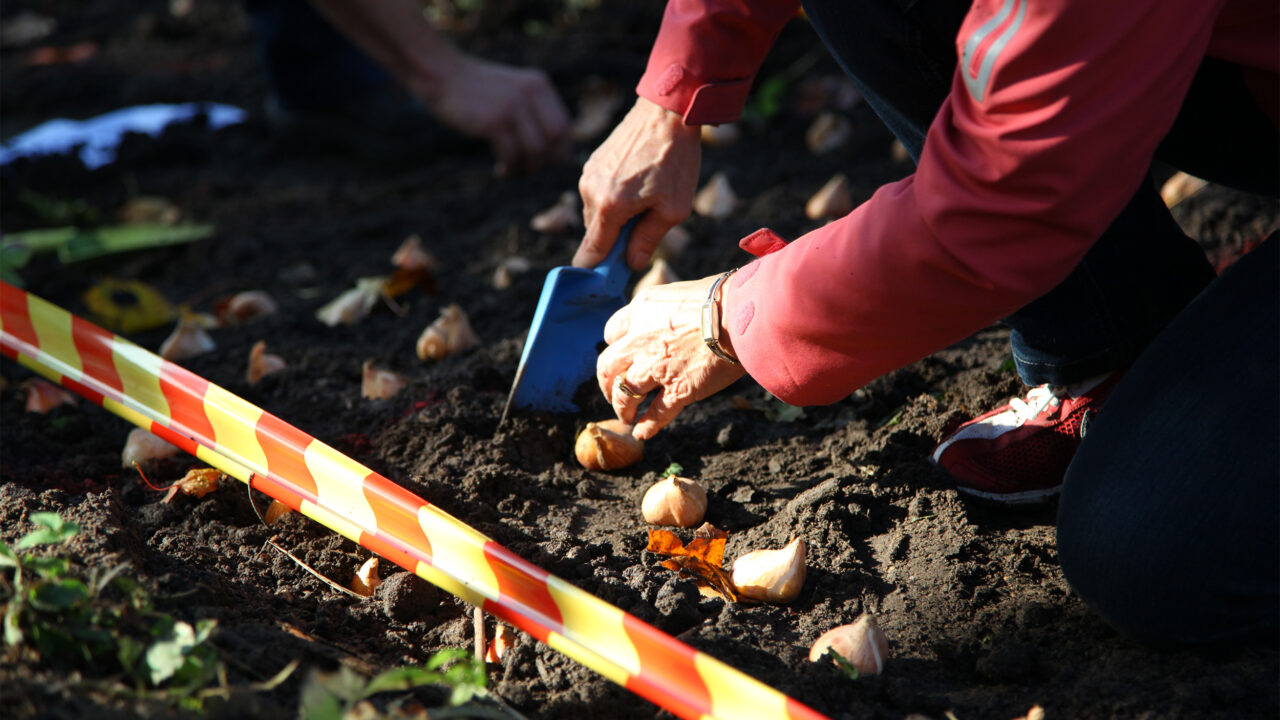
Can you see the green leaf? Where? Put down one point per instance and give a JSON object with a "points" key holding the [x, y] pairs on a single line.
{"points": [[318, 702], [128, 651], [402, 678], [74, 244], [53, 530], [8, 558], [58, 594], [778, 411], [167, 655], [48, 567], [446, 656], [849, 669], [12, 629], [673, 469]]}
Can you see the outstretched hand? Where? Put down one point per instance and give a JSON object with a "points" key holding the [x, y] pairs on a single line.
{"points": [[515, 109], [655, 344], [649, 164]]}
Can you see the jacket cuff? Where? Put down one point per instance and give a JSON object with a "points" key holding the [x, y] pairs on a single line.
{"points": [[710, 103]]}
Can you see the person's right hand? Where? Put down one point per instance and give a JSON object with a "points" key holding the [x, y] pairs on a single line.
{"points": [[649, 164], [515, 109]]}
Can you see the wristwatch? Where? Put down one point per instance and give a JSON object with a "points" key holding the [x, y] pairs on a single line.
{"points": [[711, 320]]}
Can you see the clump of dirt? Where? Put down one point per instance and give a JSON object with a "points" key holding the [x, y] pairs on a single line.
{"points": [[980, 621]]}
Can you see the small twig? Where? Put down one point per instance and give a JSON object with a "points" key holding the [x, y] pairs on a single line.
{"points": [[248, 488], [477, 620], [313, 571]]}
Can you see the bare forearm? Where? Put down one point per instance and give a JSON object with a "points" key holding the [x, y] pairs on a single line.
{"points": [[399, 37]]}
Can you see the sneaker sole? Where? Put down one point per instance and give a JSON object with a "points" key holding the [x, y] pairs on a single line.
{"points": [[1019, 499]]}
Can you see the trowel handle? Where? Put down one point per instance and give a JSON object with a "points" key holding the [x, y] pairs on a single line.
{"points": [[614, 267]]}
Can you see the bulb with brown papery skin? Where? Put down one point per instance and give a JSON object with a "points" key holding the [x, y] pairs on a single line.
{"points": [[247, 305], [187, 340], [862, 643], [660, 273], [608, 445], [771, 575], [831, 201], [379, 384], [449, 334], [412, 256], [141, 446], [674, 501], [366, 580], [716, 199], [262, 363], [43, 396]]}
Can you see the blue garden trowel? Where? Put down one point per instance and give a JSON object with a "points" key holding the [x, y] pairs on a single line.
{"points": [[560, 352]]}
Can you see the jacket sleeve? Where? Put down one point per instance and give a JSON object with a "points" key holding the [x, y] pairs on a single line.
{"points": [[1051, 123], [707, 54]]}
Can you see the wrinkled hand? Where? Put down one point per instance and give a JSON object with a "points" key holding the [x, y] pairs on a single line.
{"points": [[650, 162], [515, 109], [655, 343]]}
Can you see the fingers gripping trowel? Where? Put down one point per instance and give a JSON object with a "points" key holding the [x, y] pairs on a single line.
{"points": [[560, 352]]}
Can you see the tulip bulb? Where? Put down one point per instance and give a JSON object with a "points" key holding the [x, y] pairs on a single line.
{"points": [[352, 305], [674, 501], [245, 306], [832, 201], [862, 643], [608, 445], [827, 133], [366, 579], [379, 384], [508, 269], [449, 334], [262, 363], [674, 242], [559, 218], [141, 446], [771, 575], [43, 396], [720, 135], [412, 256], [660, 273], [716, 199], [503, 639], [187, 340]]}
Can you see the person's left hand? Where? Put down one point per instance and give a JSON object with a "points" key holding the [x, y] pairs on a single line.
{"points": [[655, 343]]}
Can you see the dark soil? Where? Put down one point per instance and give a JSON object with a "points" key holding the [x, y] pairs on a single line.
{"points": [[981, 623]]}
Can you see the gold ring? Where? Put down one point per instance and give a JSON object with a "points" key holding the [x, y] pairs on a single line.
{"points": [[625, 389]]}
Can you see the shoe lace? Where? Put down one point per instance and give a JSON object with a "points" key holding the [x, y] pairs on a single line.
{"points": [[1037, 400]]}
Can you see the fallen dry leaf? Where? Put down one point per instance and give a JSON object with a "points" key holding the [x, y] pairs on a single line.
{"points": [[198, 482], [701, 559]]}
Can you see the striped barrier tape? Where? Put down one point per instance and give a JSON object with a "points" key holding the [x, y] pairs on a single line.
{"points": [[276, 458]]}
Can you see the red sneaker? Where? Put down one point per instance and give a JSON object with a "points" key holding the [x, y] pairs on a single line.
{"points": [[1018, 453]]}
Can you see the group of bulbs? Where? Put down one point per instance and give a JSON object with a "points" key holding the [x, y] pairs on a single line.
{"points": [[774, 576]]}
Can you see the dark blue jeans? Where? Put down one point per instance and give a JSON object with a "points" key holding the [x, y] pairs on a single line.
{"points": [[1143, 270], [1169, 522]]}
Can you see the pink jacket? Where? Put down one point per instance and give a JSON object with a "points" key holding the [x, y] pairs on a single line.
{"points": [[1051, 123]]}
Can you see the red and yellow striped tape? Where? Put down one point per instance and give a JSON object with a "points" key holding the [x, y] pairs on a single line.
{"points": [[278, 459]]}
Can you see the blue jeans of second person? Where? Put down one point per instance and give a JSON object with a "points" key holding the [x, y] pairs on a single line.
{"points": [[1143, 270]]}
